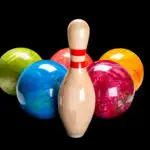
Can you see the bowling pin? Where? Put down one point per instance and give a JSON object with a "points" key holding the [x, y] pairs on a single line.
{"points": [[76, 97]]}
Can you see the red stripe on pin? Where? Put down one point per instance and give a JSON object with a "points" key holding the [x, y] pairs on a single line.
{"points": [[78, 64], [76, 52]]}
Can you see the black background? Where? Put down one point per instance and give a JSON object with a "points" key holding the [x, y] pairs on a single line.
{"points": [[46, 33]]}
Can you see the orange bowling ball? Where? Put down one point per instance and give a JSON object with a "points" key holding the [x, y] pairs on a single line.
{"points": [[63, 57], [130, 61]]}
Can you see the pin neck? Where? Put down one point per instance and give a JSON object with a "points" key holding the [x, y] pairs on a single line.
{"points": [[78, 58]]}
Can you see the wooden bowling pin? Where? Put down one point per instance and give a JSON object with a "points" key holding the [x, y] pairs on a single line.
{"points": [[76, 98]]}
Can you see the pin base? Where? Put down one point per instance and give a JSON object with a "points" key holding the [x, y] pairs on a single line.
{"points": [[76, 136]]}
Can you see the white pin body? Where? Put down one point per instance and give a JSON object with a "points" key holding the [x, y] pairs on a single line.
{"points": [[76, 98], [76, 102]]}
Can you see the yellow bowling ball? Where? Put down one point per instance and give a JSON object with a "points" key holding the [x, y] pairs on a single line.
{"points": [[130, 61]]}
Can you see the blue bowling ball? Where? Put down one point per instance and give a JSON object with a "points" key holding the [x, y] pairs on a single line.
{"points": [[37, 88]]}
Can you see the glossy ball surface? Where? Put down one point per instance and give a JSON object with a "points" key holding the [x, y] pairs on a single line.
{"points": [[63, 57], [113, 86], [12, 63], [130, 61], [37, 88]]}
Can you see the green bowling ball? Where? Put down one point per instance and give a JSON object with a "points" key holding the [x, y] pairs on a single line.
{"points": [[12, 63]]}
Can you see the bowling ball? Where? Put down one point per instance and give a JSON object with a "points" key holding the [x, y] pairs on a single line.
{"points": [[130, 61], [114, 88], [12, 63], [37, 88], [63, 57]]}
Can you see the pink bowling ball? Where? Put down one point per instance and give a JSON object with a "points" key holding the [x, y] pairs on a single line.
{"points": [[114, 88]]}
